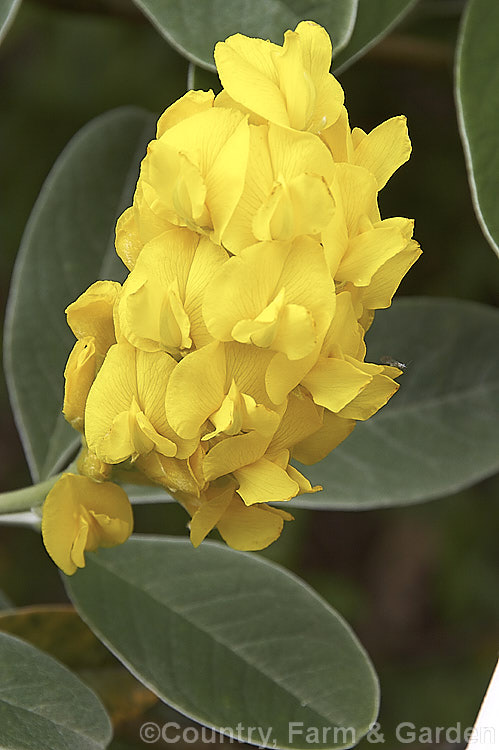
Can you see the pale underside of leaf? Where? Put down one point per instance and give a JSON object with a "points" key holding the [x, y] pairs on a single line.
{"points": [[68, 243], [194, 28], [477, 83], [375, 19]]}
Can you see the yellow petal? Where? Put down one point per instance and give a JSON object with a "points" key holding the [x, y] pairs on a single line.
{"points": [[258, 417], [128, 241], [335, 235], [384, 149], [296, 335], [248, 74], [286, 189], [264, 482], [316, 55], [79, 376], [240, 412], [242, 288], [151, 310], [129, 383], [123, 439], [190, 104], [344, 333], [334, 382], [208, 258], [368, 251], [258, 185], [301, 418], [241, 301], [188, 164], [291, 85], [173, 474], [140, 223], [162, 444], [387, 278], [358, 190], [109, 506], [318, 445], [284, 374], [252, 528], [196, 389], [232, 453], [214, 503], [338, 139], [247, 365], [106, 531], [295, 83], [80, 543], [92, 315], [179, 185], [111, 395], [262, 331], [372, 397], [228, 418], [304, 205], [225, 180], [160, 308], [295, 153], [60, 523], [302, 482], [153, 372]]}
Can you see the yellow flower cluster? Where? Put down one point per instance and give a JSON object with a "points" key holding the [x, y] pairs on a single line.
{"points": [[257, 257]]}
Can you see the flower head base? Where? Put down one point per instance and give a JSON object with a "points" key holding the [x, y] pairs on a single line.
{"points": [[257, 258]]}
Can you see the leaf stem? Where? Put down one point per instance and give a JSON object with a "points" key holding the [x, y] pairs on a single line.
{"points": [[26, 497]]}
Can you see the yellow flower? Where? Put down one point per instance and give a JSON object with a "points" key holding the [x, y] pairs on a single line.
{"points": [[290, 85], [381, 152], [261, 467], [371, 254], [340, 380], [80, 514], [160, 307], [257, 257], [91, 318], [201, 382], [274, 295], [194, 173], [286, 190], [243, 528], [125, 412], [92, 315]]}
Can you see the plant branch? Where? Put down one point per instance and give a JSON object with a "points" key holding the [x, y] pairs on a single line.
{"points": [[26, 498]]}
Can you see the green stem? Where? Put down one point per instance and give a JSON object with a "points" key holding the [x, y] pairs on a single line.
{"points": [[27, 497]]}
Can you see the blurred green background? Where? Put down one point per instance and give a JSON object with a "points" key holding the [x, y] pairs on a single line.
{"points": [[418, 585]]}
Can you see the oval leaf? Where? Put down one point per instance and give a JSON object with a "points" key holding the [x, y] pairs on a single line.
{"points": [[477, 83], [194, 27], [8, 10], [229, 640], [67, 245], [375, 19], [43, 706], [59, 631], [440, 432]]}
